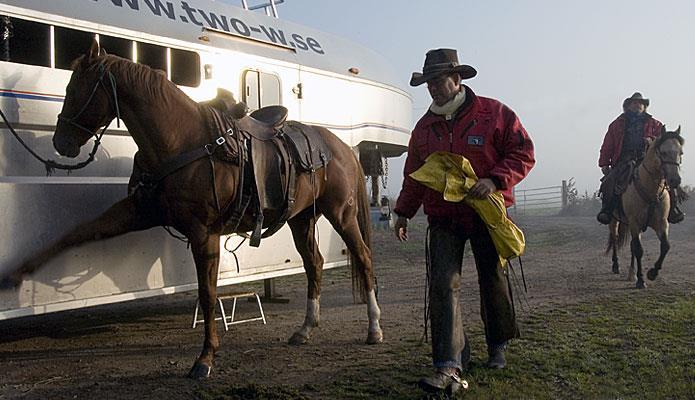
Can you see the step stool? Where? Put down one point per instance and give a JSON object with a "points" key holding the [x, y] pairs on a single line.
{"points": [[229, 320]]}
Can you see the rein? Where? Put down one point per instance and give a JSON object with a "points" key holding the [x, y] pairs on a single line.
{"points": [[52, 165]]}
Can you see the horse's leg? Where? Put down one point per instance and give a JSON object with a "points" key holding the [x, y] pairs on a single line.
{"points": [[614, 244], [631, 276], [665, 247], [124, 216], [303, 231], [206, 254], [346, 223], [637, 252]]}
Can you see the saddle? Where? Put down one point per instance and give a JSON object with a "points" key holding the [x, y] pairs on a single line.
{"points": [[270, 152]]}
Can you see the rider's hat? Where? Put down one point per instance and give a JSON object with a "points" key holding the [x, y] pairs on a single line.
{"points": [[440, 62], [637, 96]]}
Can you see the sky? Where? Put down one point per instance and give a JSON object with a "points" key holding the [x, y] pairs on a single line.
{"points": [[564, 67]]}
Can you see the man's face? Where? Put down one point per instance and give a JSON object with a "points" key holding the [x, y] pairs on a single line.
{"points": [[636, 107], [444, 88]]}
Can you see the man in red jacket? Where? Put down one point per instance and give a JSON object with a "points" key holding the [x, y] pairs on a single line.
{"points": [[622, 149], [491, 136]]}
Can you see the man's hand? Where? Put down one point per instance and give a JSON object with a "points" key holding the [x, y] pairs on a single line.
{"points": [[605, 170], [483, 188], [401, 228]]}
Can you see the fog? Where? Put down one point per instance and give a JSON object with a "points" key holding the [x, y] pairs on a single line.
{"points": [[564, 67]]}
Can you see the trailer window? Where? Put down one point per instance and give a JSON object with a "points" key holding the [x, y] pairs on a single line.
{"points": [[261, 89], [117, 46], [70, 44], [185, 67], [270, 90], [152, 55], [251, 92], [25, 42]]}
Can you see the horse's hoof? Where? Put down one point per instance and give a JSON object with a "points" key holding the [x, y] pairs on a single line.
{"points": [[640, 284], [616, 269], [652, 274], [375, 337], [199, 371], [298, 339]]}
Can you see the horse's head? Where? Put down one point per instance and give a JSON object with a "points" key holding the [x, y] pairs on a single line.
{"points": [[90, 103], [669, 151]]}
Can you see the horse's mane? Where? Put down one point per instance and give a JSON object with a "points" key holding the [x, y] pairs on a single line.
{"points": [[138, 77]]}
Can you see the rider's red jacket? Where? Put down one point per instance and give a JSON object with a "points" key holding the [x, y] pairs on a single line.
{"points": [[613, 141], [484, 131]]}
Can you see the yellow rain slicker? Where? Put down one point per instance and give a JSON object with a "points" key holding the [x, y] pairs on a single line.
{"points": [[453, 176]]}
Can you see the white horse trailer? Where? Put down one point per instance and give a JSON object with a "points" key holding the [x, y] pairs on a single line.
{"points": [[201, 45]]}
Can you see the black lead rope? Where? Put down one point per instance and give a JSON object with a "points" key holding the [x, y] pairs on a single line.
{"points": [[52, 165], [522, 298], [523, 277]]}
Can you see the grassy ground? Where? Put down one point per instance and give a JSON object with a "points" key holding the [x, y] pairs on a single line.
{"points": [[638, 345]]}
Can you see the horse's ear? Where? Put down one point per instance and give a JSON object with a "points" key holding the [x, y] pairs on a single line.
{"points": [[94, 50], [678, 131]]}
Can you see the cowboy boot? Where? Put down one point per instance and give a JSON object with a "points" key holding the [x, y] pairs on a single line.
{"points": [[675, 214], [444, 380], [496, 358], [606, 214]]}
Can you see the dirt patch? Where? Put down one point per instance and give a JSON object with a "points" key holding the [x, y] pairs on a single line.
{"points": [[143, 349]]}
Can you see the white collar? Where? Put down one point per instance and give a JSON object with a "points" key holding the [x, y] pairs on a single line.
{"points": [[448, 109]]}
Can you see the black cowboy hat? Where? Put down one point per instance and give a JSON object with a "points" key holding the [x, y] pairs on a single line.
{"points": [[439, 62], [637, 96]]}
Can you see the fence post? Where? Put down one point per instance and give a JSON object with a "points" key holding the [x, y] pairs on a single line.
{"points": [[564, 194]]}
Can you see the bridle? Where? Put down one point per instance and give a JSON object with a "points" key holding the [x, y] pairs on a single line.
{"points": [[52, 165], [664, 163], [113, 95]]}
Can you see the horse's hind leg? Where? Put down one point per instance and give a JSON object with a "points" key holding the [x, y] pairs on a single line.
{"points": [[303, 231], [124, 216], [637, 253], [613, 240], [347, 225], [616, 266], [665, 247]]}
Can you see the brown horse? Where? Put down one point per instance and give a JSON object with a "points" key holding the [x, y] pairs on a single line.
{"points": [[646, 203], [165, 123]]}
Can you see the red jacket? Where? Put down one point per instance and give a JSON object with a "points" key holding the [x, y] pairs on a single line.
{"points": [[488, 134], [613, 141]]}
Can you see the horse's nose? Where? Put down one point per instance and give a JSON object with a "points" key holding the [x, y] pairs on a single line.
{"points": [[674, 182], [65, 147]]}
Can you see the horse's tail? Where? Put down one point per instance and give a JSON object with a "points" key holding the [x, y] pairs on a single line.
{"points": [[619, 240], [360, 275]]}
